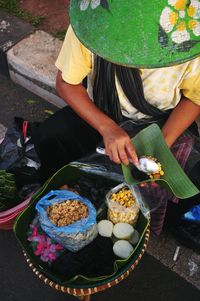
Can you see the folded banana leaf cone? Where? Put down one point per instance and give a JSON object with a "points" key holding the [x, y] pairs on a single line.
{"points": [[70, 175], [150, 142]]}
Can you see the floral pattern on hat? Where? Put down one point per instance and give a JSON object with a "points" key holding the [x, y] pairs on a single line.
{"points": [[93, 4], [180, 21]]}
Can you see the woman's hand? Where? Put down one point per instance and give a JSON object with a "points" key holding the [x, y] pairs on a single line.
{"points": [[117, 142], [118, 145]]}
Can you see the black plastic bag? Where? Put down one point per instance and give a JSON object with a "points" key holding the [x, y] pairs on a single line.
{"points": [[17, 153]]}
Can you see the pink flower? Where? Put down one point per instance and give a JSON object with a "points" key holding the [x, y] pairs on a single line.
{"points": [[52, 256], [45, 248], [59, 247], [34, 233]]}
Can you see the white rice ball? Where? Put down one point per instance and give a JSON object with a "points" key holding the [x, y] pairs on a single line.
{"points": [[123, 231], [105, 228], [134, 237], [122, 249], [148, 165]]}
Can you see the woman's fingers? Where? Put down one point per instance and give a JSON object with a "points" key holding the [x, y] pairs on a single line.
{"points": [[118, 154], [123, 155], [114, 155], [118, 145], [130, 150]]}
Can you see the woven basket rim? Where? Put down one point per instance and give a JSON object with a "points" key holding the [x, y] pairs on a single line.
{"points": [[88, 289]]}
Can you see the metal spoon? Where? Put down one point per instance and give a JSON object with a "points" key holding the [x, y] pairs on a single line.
{"points": [[145, 164]]}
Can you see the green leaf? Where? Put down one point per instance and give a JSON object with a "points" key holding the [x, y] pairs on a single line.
{"points": [[31, 101], [49, 112]]}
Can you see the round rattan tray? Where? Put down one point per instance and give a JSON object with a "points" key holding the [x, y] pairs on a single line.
{"points": [[84, 292]]}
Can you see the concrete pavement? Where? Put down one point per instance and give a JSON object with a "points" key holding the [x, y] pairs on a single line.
{"points": [[12, 30]]}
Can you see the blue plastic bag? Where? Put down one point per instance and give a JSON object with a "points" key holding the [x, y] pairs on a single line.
{"points": [[74, 236], [193, 214]]}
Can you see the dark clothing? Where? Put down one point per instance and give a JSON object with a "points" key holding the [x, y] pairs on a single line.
{"points": [[63, 138]]}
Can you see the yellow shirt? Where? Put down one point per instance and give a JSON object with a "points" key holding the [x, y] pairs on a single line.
{"points": [[163, 87]]}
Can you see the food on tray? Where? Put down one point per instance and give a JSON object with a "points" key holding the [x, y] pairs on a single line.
{"points": [[122, 249], [122, 205], [124, 197], [147, 164], [134, 237], [153, 166], [66, 213], [67, 218], [123, 231], [148, 167], [105, 228]]}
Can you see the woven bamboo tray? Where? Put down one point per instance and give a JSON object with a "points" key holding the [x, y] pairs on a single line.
{"points": [[84, 292]]}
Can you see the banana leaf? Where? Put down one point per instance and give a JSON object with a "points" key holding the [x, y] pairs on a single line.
{"points": [[69, 175], [150, 142], [8, 191]]}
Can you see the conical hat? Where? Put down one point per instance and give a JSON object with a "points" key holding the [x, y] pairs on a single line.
{"points": [[139, 33]]}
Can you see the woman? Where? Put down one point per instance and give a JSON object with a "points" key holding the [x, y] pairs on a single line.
{"points": [[143, 84]]}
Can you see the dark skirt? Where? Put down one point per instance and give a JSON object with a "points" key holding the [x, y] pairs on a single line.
{"points": [[62, 138]]}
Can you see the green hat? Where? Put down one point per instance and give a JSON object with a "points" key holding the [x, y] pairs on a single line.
{"points": [[139, 33]]}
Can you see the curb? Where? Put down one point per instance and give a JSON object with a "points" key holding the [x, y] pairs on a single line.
{"points": [[12, 30], [28, 57], [31, 64]]}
